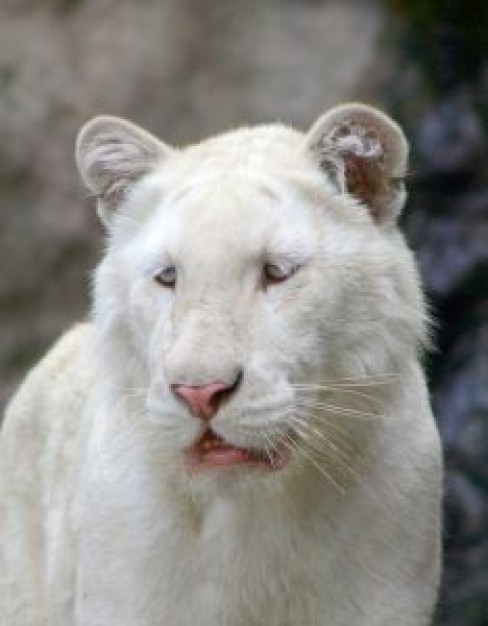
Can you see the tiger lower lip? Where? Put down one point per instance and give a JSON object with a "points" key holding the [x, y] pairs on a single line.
{"points": [[211, 450]]}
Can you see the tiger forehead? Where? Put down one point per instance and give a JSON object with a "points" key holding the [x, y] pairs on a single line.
{"points": [[216, 186], [230, 211], [216, 221]]}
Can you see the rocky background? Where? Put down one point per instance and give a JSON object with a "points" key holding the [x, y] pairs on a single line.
{"points": [[189, 68]]}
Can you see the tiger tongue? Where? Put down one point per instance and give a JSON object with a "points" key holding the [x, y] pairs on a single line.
{"points": [[226, 455], [216, 451], [211, 450]]}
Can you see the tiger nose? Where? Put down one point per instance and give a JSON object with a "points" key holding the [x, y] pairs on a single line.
{"points": [[204, 400]]}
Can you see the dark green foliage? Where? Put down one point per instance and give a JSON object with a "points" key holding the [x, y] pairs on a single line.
{"points": [[447, 38]]}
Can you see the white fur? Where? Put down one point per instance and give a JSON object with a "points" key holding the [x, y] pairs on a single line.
{"points": [[102, 525]]}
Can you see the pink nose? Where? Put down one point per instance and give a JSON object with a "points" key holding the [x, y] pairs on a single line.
{"points": [[203, 400]]}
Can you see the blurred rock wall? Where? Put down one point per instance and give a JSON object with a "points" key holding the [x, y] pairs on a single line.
{"points": [[182, 68]]}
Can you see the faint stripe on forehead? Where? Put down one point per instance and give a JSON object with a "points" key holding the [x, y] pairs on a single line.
{"points": [[257, 185]]}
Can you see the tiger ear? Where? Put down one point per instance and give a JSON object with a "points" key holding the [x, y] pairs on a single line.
{"points": [[363, 153], [112, 154]]}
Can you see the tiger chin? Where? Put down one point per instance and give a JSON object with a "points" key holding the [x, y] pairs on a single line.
{"points": [[241, 433]]}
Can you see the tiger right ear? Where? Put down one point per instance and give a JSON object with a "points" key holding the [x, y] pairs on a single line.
{"points": [[112, 155], [364, 153]]}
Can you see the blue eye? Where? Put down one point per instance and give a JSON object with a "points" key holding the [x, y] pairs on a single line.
{"points": [[273, 273], [166, 277]]}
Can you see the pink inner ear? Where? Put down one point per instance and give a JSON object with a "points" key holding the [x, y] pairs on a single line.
{"points": [[363, 177], [361, 152]]}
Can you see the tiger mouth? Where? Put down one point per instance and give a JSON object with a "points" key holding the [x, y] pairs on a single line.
{"points": [[212, 451]]}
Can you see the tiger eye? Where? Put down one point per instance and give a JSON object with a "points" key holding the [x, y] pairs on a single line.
{"points": [[166, 277], [274, 274]]}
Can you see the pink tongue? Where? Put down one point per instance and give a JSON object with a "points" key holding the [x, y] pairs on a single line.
{"points": [[226, 456]]}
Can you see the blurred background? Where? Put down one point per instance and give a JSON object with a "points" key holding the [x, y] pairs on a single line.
{"points": [[186, 69]]}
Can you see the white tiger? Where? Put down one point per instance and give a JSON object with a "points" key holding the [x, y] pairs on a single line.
{"points": [[241, 436]]}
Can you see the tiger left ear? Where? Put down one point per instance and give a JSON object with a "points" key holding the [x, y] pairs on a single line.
{"points": [[363, 153], [112, 155]]}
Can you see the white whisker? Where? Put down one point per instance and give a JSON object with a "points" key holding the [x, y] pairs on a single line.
{"points": [[321, 470]]}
